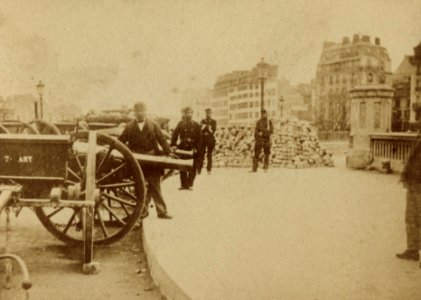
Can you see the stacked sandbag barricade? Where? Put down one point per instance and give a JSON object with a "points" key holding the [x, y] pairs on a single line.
{"points": [[294, 145]]}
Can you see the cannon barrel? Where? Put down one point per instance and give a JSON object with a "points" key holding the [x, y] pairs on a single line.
{"points": [[163, 162]]}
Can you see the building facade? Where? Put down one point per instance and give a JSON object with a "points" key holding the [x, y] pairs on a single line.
{"points": [[407, 96], [236, 96], [415, 92], [18, 107], [341, 67]]}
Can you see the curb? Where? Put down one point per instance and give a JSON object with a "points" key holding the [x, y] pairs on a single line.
{"points": [[167, 286]]}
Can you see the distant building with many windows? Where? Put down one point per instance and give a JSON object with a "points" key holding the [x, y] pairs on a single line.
{"points": [[407, 84], [341, 67], [236, 98]]}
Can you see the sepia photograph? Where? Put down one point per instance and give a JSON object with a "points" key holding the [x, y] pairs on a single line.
{"points": [[207, 149]]}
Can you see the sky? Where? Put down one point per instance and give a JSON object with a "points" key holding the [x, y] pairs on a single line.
{"points": [[108, 53]]}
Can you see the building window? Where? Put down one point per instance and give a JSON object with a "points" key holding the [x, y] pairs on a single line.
{"points": [[370, 78], [377, 115], [251, 104], [362, 114], [243, 105], [256, 114], [256, 94]]}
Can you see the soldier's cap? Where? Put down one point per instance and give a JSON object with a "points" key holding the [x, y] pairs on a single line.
{"points": [[139, 106], [208, 110], [186, 109]]}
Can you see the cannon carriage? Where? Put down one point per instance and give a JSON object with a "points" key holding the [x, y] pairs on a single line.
{"points": [[86, 188]]}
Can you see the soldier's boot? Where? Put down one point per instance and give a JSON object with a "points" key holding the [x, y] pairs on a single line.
{"points": [[409, 255], [254, 168], [266, 163]]}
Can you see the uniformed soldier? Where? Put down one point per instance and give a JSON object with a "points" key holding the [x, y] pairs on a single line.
{"points": [[262, 138], [208, 126], [190, 136], [144, 136], [411, 178]]}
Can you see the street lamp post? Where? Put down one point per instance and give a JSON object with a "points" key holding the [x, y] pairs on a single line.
{"points": [[262, 76], [36, 109], [281, 102], [40, 88]]}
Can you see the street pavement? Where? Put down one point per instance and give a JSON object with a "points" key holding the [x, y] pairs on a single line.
{"points": [[56, 268], [318, 233]]}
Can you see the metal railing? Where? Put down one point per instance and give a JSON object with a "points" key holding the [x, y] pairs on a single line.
{"points": [[393, 146]]}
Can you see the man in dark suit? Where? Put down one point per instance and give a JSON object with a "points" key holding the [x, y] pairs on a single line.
{"points": [[144, 136], [208, 126], [190, 136], [262, 138]]}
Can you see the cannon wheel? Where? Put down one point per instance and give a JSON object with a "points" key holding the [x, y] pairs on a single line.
{"points": [[24, 126], [45, 127], [122, 193]]}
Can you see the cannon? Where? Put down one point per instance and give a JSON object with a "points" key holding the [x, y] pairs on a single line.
{"points": [[86, 188]]}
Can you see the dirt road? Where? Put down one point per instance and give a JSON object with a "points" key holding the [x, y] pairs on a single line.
{"points": [[55, 268]]}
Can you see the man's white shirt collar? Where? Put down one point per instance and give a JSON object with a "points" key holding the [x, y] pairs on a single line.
{"points": [[141, 124]]}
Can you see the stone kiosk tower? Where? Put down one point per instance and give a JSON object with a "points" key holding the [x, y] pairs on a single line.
{"points": [[371, 113]]}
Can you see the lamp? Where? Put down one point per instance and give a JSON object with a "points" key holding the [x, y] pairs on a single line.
{"points": [[262, 68], [281, 102], [40, 88]]}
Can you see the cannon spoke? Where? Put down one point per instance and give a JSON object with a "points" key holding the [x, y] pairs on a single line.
{"points": [[49, 216], [110, 149], [70, 182], [118, 199], [129, 194], [125, 209], [70, 220], [101, 222], [116, 185], [112, 172], [113, 214], [79, 164], [73, 173]]}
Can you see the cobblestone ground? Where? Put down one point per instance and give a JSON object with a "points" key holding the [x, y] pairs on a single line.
{"points": [[327, 233], [56, 269]]}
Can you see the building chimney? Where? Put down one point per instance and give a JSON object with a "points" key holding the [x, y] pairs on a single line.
{"points": [[365, 39], [356, 38], [345, 40], [377, 41]]}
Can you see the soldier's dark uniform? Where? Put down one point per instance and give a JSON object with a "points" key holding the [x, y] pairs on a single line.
{"points": [[190, 135], [262, 133], [208, 126], [411, 178]]}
